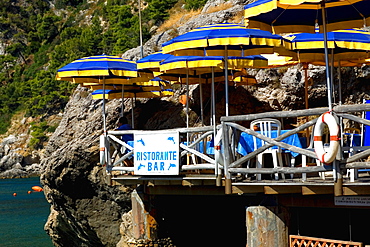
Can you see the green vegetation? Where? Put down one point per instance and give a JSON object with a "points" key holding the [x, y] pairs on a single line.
{"points": [[38, 135], [39, 40], [194, 4]]}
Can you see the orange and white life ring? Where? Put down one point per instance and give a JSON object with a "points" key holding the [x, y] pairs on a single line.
{"points": [[326, 156]]}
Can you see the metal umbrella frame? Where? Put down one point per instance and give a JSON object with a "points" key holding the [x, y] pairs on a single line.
{"points": [[225, 39], [199, 65], [345, 47], [280, 16], [98, 68]]}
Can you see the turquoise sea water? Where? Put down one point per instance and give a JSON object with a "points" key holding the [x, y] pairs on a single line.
{"points": [[22, 217]]}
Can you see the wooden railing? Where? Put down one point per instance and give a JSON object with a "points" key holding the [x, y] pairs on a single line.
{"points": [[228, 163], [196, 136], [303, 241], [234, 164]]}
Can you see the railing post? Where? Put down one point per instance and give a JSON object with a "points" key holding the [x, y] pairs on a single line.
{"points": [[338, 181], [226, 145]]}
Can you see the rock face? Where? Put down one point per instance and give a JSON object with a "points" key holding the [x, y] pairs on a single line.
{"points": [[85, 211], [15, 161]]}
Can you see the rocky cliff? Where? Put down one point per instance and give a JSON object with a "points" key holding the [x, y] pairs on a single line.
{"points": [[85, 211]]}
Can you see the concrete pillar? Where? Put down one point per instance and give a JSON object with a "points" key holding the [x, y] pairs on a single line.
{"points": [[267, 226], [144, 224]]}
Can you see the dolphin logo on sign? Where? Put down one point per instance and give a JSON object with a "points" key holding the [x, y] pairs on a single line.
{"points": [[171, 165], [171, 139], [141, 141]]}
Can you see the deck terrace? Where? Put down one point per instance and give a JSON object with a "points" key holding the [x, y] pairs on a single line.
{"points": [[230, 169], [205, 184]]}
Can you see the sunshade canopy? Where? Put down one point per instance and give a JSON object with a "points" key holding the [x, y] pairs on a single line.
{"points": [[291, 16], [152, 61], [196, 65], [345, 45], [117, 94], [99, 66], [274, 60], [211, 40]]}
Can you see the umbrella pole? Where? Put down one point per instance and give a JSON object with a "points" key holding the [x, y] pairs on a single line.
{"points": [[226, 83], [187, 115], [340, 83], [213, 102], [328, 81], [106, 151], [305, 68], [187, 99], [332, 73], [103, 109], [132, 113], [201, 102], [340, 99], [217, 168], [123, 97]]}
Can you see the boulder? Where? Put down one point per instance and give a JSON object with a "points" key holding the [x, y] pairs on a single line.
{"points": [[9, 140]]}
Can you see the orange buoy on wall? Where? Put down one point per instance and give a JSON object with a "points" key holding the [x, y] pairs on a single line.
{"points": [[14, 194], [37, 188], [183, 99]]}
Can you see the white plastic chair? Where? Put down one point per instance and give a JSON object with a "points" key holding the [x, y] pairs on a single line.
{"points": [[265, 127]]}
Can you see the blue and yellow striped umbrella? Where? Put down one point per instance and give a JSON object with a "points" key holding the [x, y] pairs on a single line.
{"points": [[211, 40], [206, 67], [224, 39], [293, 16], [150, 92], [197, 65], [99, 69], [99, 66], [152, 61], [345, 45]]}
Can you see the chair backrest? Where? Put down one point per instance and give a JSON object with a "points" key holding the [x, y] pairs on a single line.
{"points": [[265, 127]]}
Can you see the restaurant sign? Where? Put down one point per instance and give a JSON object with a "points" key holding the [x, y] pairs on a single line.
{"points": [[156, 153]]}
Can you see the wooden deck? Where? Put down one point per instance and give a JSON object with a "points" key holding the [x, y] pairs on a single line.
{"points": [[227, 172], [206, 184]]}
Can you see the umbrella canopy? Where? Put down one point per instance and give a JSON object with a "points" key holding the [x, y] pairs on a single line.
{"points": [[117, 94], [274, 60], [224, 39], [133, 88], [287, 16], [101, 65], [347, 48], [94, 79], [211, 40], [152, 61], [197, 65], [97, 69], [344, 45], [206, 67]]}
